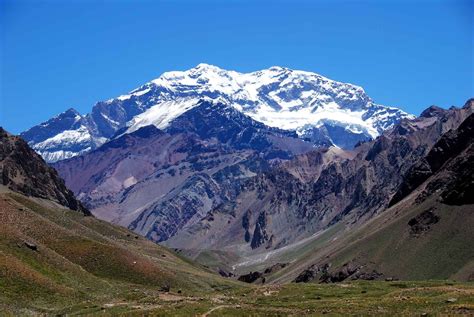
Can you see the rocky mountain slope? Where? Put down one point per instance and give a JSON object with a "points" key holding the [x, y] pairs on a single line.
{"points": [[157, 181], [160, 182], [23, 170], [317, 109], [449, 164], [426, 234], [292, 202], [217, 187]]}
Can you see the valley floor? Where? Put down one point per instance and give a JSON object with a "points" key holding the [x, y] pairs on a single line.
{"points": [[355, 298]]}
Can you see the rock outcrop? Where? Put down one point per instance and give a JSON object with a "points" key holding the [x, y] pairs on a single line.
{"points": [[23, 170]]}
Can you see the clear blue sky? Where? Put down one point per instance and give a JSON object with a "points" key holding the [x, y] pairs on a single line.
{"points": [[60, 54]]}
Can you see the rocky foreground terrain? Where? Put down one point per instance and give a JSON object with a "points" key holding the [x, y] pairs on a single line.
{"points": [[24, 171]]}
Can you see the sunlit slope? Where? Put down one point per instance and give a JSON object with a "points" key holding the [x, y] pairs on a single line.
{"points": [[392, 245], [80, 259]]}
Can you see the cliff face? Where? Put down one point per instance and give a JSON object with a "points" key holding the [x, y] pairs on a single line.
{"points": [[451, 163], [23, 170]]}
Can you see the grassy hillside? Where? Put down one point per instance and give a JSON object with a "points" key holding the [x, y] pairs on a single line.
{"points": [[389, 245], [81, 260], [442, 251], [82, 265]]}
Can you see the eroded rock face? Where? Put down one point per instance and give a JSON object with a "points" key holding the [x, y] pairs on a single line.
{"points": [[23, 170], [461, 186], [419, 173], [347, 270], [305, 276], [324, 274], [225, 273], [163, 219], [423, 222], [451, 160], [260, 235], [246, 225], [312, 273], [250, 278], [370, 276]]}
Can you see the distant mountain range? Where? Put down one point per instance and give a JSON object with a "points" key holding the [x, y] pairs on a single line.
{"points": [[281, 173], [321, 111], [216, 182]]}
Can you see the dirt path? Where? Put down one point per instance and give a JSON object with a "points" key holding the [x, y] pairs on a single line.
{"points": [[216, 308]]}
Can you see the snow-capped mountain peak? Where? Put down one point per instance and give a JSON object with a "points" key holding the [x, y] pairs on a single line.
{"points": [[278, 97]]}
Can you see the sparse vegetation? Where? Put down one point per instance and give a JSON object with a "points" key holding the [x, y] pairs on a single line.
{"points": [[81, 262], [85, 266]]}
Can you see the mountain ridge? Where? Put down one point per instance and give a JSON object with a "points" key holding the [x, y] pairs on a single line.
{"points": [[320, 110], [23, 170], [310, 194], [225, 195]]}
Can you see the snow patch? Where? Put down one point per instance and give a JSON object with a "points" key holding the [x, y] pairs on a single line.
{"points": [[161, 114], [65, 138]]}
